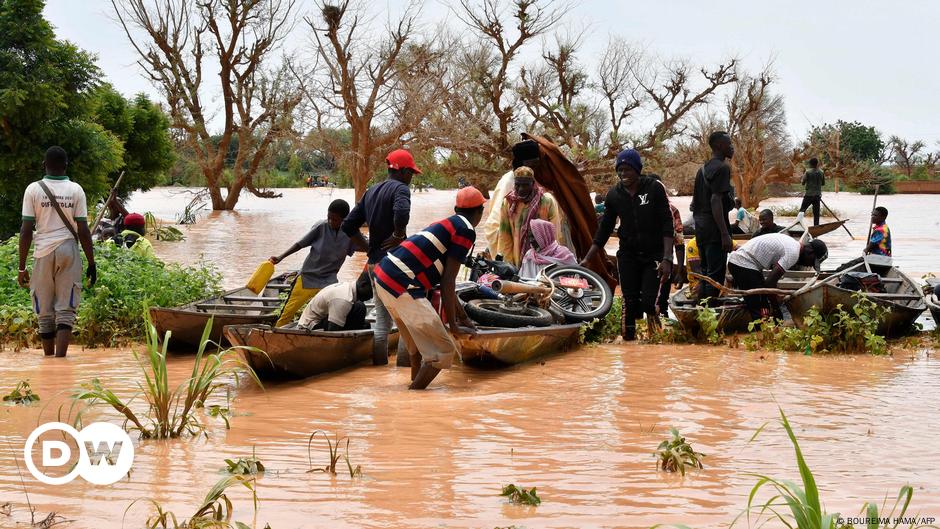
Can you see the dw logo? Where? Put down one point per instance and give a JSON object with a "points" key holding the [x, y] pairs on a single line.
{"points": [[105, 453]]}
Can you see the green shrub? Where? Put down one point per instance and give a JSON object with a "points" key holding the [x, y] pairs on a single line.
{"points": [[110, 311], [603, 330], [675, 454]]}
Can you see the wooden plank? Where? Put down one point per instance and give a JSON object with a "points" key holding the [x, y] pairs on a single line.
{"points": [[278, 286], [252, 299], [224, 306], [880, 295]]}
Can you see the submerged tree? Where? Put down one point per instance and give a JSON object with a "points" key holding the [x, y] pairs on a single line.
{"points": [[257, 96]]}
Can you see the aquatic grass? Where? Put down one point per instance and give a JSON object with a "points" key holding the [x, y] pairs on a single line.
{"points": [[245, 465], [676, 455], [171, 411], [160, 231], [521, 495], [707, 319], [216, 510], [21, 394], [603, 330], [333, 448]]}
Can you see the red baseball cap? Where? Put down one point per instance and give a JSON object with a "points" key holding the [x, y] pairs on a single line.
{"points": [[134, 219], [401, 159], [470, 197]]}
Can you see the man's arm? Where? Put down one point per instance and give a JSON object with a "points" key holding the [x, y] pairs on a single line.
{"points": [[774, 276], [718, 214], [604, 229], [803, 180], [354, 221], [449, 297], [84, 237], [304, 242], [26, 240], [401, 214], [680, 275], [666, 227]]}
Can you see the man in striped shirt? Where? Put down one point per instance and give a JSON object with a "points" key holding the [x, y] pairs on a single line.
{"points": [[428, 259]]}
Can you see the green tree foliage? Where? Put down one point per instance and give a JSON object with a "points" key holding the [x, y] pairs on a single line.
{"points": [[46, 98], [143, 129]]}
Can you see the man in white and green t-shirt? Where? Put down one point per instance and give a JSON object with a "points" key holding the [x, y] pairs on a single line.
{"points": [[56, 282]]}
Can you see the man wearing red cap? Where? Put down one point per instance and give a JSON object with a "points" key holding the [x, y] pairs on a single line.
{"points": [[135, 227], [428, 259], [386, 207]]}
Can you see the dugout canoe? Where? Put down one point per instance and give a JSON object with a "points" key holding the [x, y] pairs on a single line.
{"points": [[903, 298], [280, 353], [500, 346], [815, 231], [239, 306], [733, 316]]}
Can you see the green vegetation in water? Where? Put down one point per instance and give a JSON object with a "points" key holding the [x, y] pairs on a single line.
{"points": [[707, 319], [216, 510], [218, 411], [110, 311], [675, 454], [160, 231], [245, 465], [844, 331], [799, 505], [333, 448], [603, 330], [171, 412], [21, 394], [521, 495]]}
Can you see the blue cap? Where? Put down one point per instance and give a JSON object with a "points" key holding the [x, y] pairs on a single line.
{"points": [[631, 158]]}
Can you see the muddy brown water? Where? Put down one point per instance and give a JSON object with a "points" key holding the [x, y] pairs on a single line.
{"points": [[581, 426]]}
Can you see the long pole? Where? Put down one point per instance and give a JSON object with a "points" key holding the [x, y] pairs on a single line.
{"points": [[833, 213], [104, 208], [870, 226]]}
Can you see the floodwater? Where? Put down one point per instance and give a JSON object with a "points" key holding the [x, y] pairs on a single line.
{"points": [[580, 426]]}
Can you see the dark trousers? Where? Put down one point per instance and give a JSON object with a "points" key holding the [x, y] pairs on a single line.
{"points": [[745, 279], [665, 289], [355, 320], [815, 202], [640, 287], [714, 262]]}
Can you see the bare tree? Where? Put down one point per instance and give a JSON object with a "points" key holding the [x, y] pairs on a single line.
{"points": [[619, 85], [180, 39], [478, 123], [380, 83], [906, 155]]}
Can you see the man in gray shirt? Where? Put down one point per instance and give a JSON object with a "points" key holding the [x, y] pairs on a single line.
{"points": [[329, 247], [813, 181]]}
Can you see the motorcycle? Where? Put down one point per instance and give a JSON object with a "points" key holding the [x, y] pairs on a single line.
{"points": [[498, 297]]}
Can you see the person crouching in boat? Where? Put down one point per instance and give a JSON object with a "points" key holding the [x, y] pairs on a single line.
{"points": [[338, 307], [428, 259], [776, 252], [646, 239], [132, 237], [544, 250], [329, 247]]}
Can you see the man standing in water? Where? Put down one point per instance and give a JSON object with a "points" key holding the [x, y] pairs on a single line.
{"points": [[386, 207], [646, 239], [428, 259], [712, 199], [813, 181], [56, 208]]}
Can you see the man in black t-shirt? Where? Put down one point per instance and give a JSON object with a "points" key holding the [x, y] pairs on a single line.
{"points": [[712, 199]]}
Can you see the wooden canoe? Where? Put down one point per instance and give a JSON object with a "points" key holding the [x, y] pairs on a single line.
{"points": [[235, 307], [498, 346], [733, 316], [903, 299], [815, 231], [290, 353]]}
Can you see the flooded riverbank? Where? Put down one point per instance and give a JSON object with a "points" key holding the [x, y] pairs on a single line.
{"points": [[580, 426]]}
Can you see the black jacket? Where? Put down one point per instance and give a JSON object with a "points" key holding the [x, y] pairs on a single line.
{"points": [[645, 219]]}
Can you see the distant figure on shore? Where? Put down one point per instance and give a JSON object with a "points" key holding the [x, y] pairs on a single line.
{"points": [[712, 199], [880, 241], [767, 224], [741, 221], [813, 181]]}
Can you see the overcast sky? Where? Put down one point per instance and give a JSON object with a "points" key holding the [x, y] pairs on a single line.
{"points": [[865, 60]]}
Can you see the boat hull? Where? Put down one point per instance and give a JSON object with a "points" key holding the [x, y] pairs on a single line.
{"points": [[277, 353], [491, 346], [187, 325], [732, 318]]}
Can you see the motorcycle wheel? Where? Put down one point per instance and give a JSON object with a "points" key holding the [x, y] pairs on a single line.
{"points": [[493, 313], [580, 304]]}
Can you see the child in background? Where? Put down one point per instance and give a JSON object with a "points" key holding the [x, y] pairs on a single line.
{"points": [[880, 242]]}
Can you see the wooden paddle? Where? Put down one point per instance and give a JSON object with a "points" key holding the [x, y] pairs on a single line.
{"points": [[833, 213], [870, 227]]}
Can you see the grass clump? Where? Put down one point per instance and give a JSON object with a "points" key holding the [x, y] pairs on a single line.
{"points": [[21, 394], [843, 331], [707, 319], [216, 510], [110, 311], [170, 411], [333, 448], [245, 465], [603, 330], [676, 455], [160, 231], [521, 495]]}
